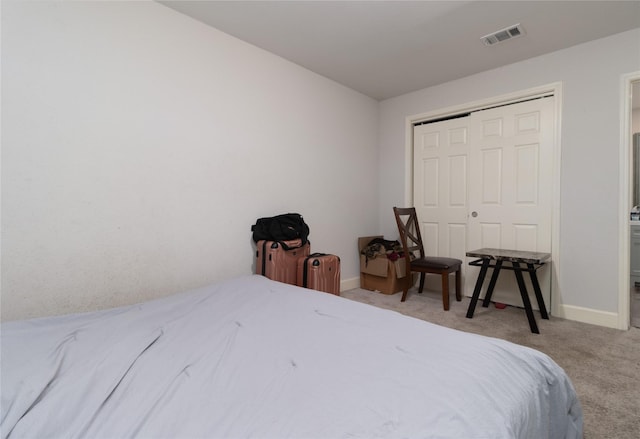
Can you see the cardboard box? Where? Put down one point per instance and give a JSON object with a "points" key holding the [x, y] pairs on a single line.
{"points": [[382, 274]]}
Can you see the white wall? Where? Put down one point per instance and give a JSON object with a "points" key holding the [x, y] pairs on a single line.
{"points": [[139, 146], [590, 75]]}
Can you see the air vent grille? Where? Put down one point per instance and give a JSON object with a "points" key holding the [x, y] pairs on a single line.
{"points": [[505, 34]]}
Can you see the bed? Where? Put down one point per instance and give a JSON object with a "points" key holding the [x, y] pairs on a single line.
{"points": [[254, 358]]}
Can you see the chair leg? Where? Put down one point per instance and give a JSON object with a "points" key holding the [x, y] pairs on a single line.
{"points": [[405, 290], [422, 276], [458, 287], [445, 291]]}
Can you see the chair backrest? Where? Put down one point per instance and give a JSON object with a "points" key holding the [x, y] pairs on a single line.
{"points": [[409, 230]]}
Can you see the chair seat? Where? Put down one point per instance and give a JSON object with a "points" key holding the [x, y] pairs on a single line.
{"points": [[437, 263]]}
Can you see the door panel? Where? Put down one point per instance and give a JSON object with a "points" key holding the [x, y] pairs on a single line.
{"points": [[430, 237], [430, 183], [527, 181], [492, 178]]}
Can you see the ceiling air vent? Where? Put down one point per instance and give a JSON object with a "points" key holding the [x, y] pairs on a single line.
{"points": [[503, 35]]}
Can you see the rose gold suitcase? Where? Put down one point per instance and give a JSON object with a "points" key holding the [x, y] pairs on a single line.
{"points": [[321, 272], [278, 260]]}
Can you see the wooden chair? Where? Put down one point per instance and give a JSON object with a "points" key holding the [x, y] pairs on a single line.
{"points": [[412, 241]]}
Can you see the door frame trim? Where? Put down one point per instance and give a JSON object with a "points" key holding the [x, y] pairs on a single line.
{"points": [[624, 233], [554, 88]]}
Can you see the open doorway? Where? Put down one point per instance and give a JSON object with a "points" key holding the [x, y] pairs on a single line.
{"points": [[634, 294], [629, 123]]}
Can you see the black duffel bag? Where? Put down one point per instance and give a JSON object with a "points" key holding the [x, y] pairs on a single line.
{"points": [[285, 227]]}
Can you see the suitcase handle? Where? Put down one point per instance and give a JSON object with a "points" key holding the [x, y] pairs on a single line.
{"points": [[285, 246]]}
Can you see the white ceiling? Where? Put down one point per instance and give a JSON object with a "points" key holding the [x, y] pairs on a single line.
{"points": [[387, 48]]}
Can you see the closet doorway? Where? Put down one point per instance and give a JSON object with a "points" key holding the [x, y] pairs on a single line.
{"points": [[485, 179], [628, 296]]}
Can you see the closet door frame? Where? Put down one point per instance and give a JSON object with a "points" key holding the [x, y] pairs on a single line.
{"points": [[556, 90], [625, 203]]}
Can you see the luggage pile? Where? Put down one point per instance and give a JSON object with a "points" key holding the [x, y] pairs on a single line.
{"points": [[283, 254]]}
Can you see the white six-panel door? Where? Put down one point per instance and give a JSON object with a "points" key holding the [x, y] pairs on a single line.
{"points": [[485, 181], [441, 170]]}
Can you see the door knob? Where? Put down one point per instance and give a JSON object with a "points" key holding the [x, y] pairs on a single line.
{"points": [[474, 214]]}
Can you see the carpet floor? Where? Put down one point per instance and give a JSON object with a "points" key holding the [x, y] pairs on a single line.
{"points": [[603, 363]]}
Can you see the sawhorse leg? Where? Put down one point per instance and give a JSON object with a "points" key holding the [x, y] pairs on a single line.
{"points": [[492, 283], [525, 298], [536, 289], [478, 287]]}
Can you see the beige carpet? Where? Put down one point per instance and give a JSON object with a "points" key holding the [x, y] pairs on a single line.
{"points": [[603, 364]]}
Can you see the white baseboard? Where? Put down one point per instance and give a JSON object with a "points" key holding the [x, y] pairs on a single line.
{"points": [[569, 312], [588, 315], [350, 284]]}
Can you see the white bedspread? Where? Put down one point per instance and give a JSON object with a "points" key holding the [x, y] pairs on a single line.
{"points": [[255, 358]]}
